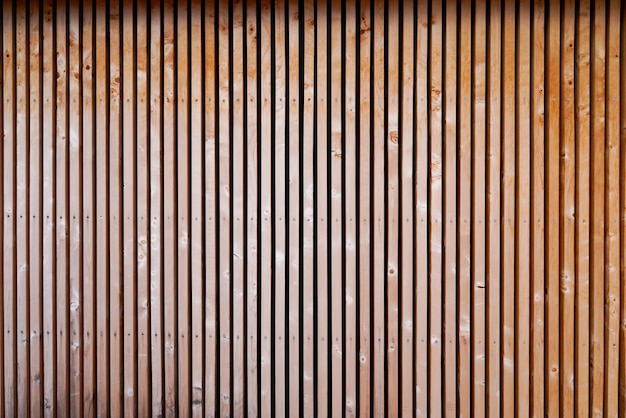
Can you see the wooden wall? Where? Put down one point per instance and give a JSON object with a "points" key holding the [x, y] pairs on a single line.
{"points": [[313, 208]]}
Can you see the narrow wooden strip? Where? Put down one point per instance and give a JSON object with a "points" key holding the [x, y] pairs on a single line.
{"points": [[598, 41], [88, 203], [364, 135], [464, 209], [406, 221], [211, 192], [142, 244], [21, 167], [129, 207], [2, 225], [479, 213], [538, 211], [622, 342], [280, 186], [196, 184], [322, 209], [552, 196], [169, 214], [582, 95], [238, 221], [266, 238], [450, 220], [568, 206], [49, 235], [612, 213], [156, 242], [420, 292], [61, 199], [308, 375], [437, 51], [293, 189], [522, 215], [252, 228]]}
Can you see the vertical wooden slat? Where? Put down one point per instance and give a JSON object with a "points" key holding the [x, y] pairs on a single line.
{"points": [[292, 303], [436, 337], [336, 157], [49, 235], [523, 199], [450, 219], [211, 191], [252, 210], [238, 244], [196, 182], [598, 41], [309, 376], [350, 179], [582, 96], [405, 219], [5, 215], [169, 213], [364, 136], [421, 205], [266, 239], [21, 167], [538, 210], [35, 209], [142, 212], [478, 268], [612, 240], [88, 224], [181, 196], [155, 71], [567, 186]]}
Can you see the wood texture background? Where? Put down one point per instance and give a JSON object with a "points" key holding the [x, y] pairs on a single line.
{"points": [[331, 208]]}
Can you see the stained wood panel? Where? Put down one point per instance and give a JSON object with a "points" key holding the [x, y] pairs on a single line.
{"points": [[313, 208]]}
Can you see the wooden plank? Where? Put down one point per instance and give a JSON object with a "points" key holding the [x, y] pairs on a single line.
{"points": [[293, 256], [568, 207], [597, 208], [35, 223], [170, 240], [62, 301], [279, 292], [479, 198], [307, 150], [49, 233], [181, 193], [142, 103], [350, 203], [5, 215], [21, 167], [464, 146], [392, 208], [266, 238], [252, 210], [508, 210], [88, 224], [435, 250], [523, 202], [364, 135], [322, 209], [449, 175], [211, 273], [406, 221], [196, 334], [538, 211], [378, 196], [156, 243], [582, 92], [337, 377], [238, 197], [612, 214], [622, 343], [420, 291], [552, 196]]}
